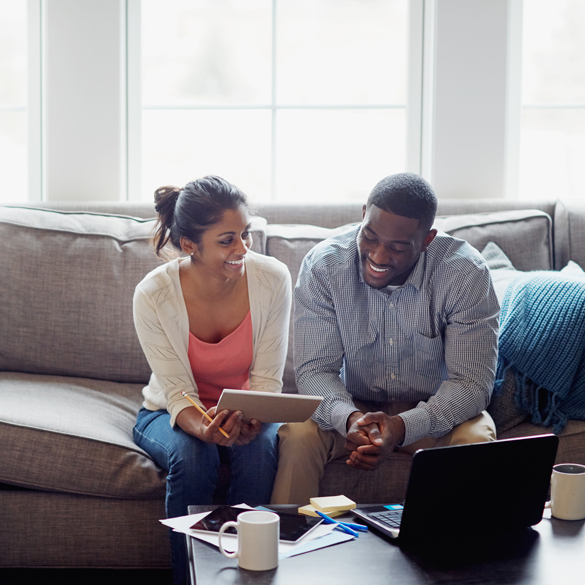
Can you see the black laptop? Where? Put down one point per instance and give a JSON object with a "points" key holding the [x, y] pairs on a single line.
{"points": [[481, 489]]}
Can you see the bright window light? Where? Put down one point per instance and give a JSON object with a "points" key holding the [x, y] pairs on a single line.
{"points": [[291, 100], [553, 100], [13, 96]]}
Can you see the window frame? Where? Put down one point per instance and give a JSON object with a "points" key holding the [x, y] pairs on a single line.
{"points": [[434, 107]]}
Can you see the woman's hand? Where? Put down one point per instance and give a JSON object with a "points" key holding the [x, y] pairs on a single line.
{"points": [[249, 431], [194, 423]]}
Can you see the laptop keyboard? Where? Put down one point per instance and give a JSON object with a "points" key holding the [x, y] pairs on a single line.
{"points": [[391, 518]]}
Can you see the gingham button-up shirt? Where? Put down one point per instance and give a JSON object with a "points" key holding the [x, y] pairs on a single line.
{"points": [[432, 340]]}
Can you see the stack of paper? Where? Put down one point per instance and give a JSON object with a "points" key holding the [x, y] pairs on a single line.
{"points": [[331, 505], [321, 537]]}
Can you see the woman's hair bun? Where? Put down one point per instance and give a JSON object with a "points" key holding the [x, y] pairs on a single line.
{"points": [[165, 201], [164, 196]]}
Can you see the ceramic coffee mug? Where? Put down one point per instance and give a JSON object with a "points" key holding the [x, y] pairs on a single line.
{"points": [[567, 491], [257, 540]]}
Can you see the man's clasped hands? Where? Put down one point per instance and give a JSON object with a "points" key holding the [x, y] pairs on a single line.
{"points": [[370, 437]]}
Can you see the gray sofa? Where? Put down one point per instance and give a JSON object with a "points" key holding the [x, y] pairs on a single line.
{"points": [[74, 489]]}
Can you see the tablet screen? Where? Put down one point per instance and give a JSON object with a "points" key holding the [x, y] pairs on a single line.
{"points": [[292, 526]]}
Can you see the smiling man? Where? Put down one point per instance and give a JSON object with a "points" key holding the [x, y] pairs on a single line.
{"points": [[396, 326]]}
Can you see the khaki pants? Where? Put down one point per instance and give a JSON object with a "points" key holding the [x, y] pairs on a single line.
{"points": [[305, 449]]}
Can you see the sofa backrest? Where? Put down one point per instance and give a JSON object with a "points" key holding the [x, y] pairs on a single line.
{"points": [[524, 235], [68, 280], [58, 316], [569, 220], [66, 298]]}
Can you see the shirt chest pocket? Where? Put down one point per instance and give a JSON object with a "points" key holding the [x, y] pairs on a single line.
{"points": [[430, 357]]}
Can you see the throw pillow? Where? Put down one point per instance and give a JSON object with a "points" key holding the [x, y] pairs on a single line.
{"points": [[573, 269], [501, 268]]}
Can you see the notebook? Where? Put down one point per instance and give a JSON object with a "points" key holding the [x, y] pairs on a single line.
{"points": [[478, 489]]}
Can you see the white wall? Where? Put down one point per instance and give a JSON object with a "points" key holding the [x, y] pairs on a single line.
{"points": [[84, 112], [472, 97]]}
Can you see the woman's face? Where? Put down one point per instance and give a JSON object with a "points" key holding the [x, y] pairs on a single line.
{"points": [[224, 245]]}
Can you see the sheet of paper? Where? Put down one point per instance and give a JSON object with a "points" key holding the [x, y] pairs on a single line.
{"points": [[315, 544], [321, 537]]}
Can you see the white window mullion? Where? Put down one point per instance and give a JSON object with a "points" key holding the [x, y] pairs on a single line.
{"points": [[273, 137], [34, 100], [134, 104], [415, 86]]}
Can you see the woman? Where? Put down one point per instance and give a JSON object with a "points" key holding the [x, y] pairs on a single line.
{"points": [[217, 318]]}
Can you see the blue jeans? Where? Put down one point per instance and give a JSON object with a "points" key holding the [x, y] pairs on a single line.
{"points": [[193, 465]]}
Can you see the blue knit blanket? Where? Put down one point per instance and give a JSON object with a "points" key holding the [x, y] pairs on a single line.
{"points": [[542, 337]]}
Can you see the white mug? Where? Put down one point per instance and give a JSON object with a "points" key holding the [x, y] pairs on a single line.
{"points": [[257, 540], [567, 491]]}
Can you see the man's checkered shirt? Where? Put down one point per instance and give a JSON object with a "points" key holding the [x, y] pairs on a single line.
{"points": [[432, 340]]}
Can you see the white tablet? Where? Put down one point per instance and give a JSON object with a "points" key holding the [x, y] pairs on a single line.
{"points": [[269, 407]]}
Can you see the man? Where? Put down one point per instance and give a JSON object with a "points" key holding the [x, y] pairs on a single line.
{"points": [[396, 327]]}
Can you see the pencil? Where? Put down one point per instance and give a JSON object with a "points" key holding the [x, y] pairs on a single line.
{"points": [[204, 413]]}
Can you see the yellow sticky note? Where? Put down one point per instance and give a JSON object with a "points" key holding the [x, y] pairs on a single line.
{"points": [[329, 504], [308, 510]]}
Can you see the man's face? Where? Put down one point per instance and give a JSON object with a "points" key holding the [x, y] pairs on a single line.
{"points": [[389, 246]]}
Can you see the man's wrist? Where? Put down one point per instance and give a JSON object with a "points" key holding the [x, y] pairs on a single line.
{"points": [[352, 418], [399, 429]]}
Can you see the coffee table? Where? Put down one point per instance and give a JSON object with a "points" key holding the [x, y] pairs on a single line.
{"points": [[550, 553]]}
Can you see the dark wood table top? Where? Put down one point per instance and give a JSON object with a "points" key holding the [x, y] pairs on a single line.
{"points": [[550, 553]]}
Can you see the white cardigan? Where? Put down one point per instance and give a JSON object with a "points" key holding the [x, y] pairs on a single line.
{"points": [[162, 325]]}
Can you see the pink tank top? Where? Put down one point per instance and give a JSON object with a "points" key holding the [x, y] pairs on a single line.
{"points": [[222, 365]]}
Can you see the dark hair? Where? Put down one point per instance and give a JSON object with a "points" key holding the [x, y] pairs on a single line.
{"points": [[188, 212], [408, 195]]}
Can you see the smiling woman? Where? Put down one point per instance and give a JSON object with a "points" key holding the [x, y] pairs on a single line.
{"points": [[216, 317]]}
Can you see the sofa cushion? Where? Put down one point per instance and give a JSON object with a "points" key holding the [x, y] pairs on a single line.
{"points": [[384, 485], [571, 439], [68, 282], [569, 232], [573, 269], [290, 244], [503, 272], [503, 408], [74, 435], [525, 236], [501, 268], [67, 531]]}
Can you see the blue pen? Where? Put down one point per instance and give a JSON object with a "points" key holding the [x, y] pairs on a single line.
{"points": [[330, 520], [355, 526], [339, 525]]}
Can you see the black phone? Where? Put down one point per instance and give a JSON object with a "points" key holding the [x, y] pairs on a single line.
{"points": [[292, 526]]}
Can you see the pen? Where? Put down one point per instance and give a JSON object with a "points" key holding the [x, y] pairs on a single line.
{"points": [[355, 526], [350, 524], [203, 413], [340, 525]]}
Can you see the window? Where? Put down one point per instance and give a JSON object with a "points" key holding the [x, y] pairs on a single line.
{"points": [[553, 100], [291, 100], [13, 100]]}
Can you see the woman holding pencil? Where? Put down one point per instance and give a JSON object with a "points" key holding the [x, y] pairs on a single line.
{"points": [[214, 317]]}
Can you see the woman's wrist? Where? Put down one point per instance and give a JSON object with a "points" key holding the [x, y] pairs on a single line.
{"points": [[191, 421]]}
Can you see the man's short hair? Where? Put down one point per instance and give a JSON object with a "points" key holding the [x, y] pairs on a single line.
{"points": [[408, 195]]}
